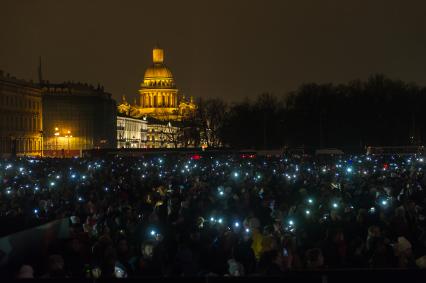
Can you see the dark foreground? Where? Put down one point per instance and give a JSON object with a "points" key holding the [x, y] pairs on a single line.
{"points": [[213, 217]]}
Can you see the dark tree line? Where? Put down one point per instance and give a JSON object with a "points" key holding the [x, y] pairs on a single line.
{"points": [[378, 112]]}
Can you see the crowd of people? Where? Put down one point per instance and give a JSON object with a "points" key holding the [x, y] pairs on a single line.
{"points": [[218, 215]]}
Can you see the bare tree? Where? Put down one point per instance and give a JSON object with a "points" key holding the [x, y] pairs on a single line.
{"points": [[212, 113]]}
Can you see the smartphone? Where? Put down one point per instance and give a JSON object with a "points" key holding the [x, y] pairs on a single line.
{"points": [[285, 252]]}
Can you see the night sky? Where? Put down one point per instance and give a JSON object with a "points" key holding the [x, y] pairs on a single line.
{"points": [[228, 49]]}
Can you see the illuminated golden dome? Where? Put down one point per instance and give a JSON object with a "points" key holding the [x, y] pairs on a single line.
{"points": [[158, 71], [158, 75]]}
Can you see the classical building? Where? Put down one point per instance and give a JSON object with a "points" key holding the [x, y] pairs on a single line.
{"points": [[162, 134], [76, 117], [131, 132], [159, 97], [20, 117]]}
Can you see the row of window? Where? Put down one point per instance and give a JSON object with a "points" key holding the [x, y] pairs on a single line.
{"points": [[20, 102], [21, 145], [25, 122]]}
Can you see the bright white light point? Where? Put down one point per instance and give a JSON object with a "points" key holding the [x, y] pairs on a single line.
{"points": [[220, 220], [57, 176], [237, 224], [235, 174], [421, 159], [291, 222], [349, 169], [384, 202], [221, 193], [52, 183], [211, 219], [84, 177], [21, 169], [335, 205], [152, 232], [310, 200], [36, 211], [73, 176], [308, 212], [247, 230]]}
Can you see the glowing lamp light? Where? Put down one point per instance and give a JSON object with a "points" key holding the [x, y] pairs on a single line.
{"points": [[247, 230], [152, 233], [335, 205], [236, 224], [349, 169], [211, 219], [236, 174], [384, 202], [308, 212], [220, 220], [221, 193], [52, 184], [35, 211], [291, 222], [310, 201]]}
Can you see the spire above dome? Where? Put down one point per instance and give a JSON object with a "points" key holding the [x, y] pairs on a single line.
{"points": [[157, 55]]}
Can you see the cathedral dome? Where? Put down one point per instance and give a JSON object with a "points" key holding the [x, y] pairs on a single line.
{"points": [[158, 75], [158, 71]]}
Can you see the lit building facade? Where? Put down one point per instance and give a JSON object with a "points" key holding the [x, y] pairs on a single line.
{"points": [[159, 97], [20, 117], [76, 117], [163, 134], [131, 132]]}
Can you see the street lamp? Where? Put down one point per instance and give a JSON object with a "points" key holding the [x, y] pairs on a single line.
{"points": [[68, 136], [56, 138], [41, 145]]}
